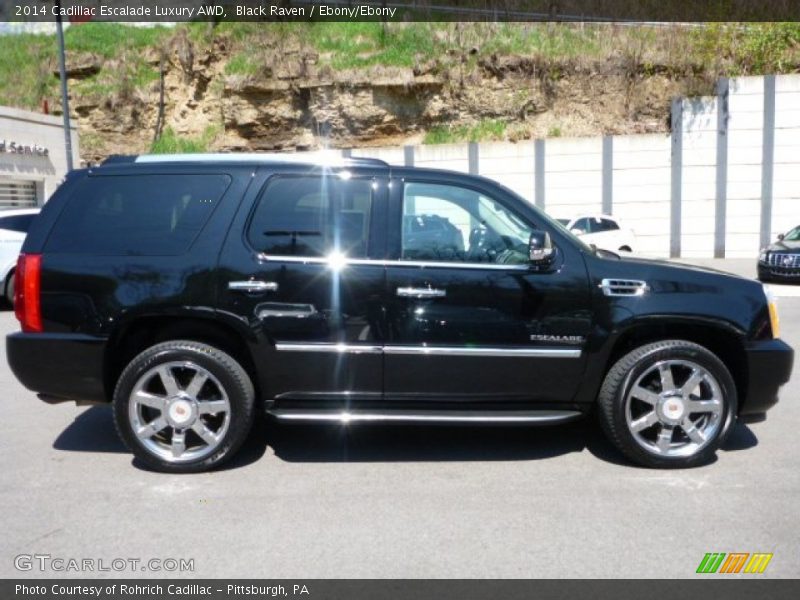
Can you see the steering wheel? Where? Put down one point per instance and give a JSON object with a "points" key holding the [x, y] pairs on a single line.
{"points": [[484, 245]]}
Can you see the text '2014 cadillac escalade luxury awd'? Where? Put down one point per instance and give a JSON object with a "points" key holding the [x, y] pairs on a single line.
{"points": [[193, 290]]}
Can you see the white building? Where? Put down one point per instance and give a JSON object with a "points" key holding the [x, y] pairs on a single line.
{"points": [[33, 158]]}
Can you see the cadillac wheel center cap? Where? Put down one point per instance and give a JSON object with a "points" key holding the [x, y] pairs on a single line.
{"points": [[673, 408], [180, 412]]}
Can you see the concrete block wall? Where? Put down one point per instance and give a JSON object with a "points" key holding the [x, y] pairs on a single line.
{"points": [[509, 164], [641, 189], [573, 172], [698, 193], [745, 154], [724, 182], [786, 180]]}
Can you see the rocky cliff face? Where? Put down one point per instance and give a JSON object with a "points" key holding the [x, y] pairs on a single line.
{"points": [[294, 103]]}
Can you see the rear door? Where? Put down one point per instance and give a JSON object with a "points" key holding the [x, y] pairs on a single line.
{"points": [[297, 268]]}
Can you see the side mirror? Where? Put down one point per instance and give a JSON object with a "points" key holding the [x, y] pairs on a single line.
{"points": [[577, 231], [780, 237], [540, 248]]}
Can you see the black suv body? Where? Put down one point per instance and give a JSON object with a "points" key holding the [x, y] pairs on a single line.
{"points": [[193, 291]]}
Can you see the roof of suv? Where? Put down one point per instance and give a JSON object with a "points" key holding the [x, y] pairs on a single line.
{"points": [[323, 158], [16, 212]]}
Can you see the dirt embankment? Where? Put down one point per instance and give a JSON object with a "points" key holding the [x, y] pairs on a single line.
{"points": [[294, 103]]}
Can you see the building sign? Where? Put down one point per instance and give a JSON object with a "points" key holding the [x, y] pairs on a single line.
{"points": [[11, 147]]}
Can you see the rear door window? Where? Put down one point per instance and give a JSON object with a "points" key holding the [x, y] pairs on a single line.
{"points": [[143, 215], [312, 216]]}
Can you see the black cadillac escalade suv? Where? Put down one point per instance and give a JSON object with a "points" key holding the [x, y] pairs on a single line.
{"points": [[193, 291]]}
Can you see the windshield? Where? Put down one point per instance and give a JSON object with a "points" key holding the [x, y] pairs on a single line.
{"points": [[793, 235], [563, 229], [559, 224]]}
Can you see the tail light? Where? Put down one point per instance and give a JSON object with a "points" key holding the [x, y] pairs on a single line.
{"points": [[27, 288]]}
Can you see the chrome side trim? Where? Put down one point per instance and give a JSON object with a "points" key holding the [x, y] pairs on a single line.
{"points": [[338, 348], [338, 262], [462, 351], [431, 350], [431, 416]]}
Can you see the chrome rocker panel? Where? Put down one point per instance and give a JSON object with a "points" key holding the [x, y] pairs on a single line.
{"points": [[543, 417]]}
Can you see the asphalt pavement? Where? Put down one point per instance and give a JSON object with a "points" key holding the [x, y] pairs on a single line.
{"points": [[392, 501]]}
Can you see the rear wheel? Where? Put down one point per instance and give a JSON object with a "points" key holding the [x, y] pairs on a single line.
{"points": [[670, 404], [183, 406], [10, 288]]}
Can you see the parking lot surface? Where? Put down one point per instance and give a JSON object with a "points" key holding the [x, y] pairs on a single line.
{"points": [[399, 501]]}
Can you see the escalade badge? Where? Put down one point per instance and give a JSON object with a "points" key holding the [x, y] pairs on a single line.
{"points": [[561, 339]]}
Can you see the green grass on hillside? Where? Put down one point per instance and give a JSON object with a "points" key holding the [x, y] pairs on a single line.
{"points": [[353, 45], [29, 62], [485, 130], [172, 143], [350, 45], [241, 64], [111, 39]]}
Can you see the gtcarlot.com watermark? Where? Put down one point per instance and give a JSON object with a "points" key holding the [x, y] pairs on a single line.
{"points": [[60, 564]]}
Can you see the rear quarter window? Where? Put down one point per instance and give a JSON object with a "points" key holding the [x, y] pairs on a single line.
{"points": [[136, 215]]}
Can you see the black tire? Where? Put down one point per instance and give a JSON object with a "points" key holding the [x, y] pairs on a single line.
{"points": [[9, 290], [626, 371], [228, 373]]}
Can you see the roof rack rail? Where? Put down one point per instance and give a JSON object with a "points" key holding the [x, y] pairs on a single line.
{"points": [[119, 159], [326, 158]]}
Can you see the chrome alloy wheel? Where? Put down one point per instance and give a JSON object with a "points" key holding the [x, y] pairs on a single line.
{"points": [[179, 411], [674, 409]]}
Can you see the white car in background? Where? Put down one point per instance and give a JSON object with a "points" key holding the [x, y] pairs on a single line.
{"points": [[603, 231], [14, 225]]}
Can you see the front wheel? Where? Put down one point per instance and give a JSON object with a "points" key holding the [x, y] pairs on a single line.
{"points": [[183, 406], [669, 404]]}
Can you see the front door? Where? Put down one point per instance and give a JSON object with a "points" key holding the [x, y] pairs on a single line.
{"points": [[297, 268], [469, 319]]}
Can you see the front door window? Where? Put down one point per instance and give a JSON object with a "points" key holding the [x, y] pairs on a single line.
{"points": [[445, 223]]}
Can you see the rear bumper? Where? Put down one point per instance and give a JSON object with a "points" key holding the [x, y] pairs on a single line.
{"points": [[68, 366], [769, 366]]}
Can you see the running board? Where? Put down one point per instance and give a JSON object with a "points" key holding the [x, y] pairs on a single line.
{"points": [[430, 416]]}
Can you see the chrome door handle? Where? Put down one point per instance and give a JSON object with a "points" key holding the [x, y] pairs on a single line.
{"points": [[413, 292], [253, 286]]}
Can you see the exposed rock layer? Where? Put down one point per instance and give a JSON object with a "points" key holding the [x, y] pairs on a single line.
{"points": [[293, 103]]}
